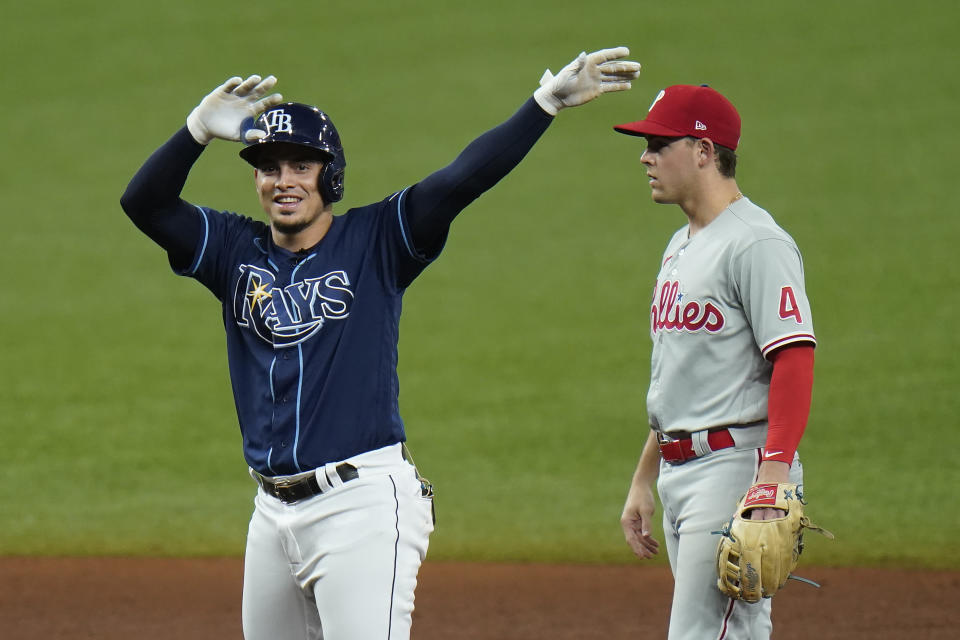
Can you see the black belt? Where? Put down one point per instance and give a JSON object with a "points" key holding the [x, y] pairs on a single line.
{"points": [[296, 490]]}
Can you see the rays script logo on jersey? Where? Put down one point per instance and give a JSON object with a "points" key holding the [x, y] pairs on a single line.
{"points": [[670, 311], [287, 315]]}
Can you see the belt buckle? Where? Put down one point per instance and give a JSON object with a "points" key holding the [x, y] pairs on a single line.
{"points": [[671, 450], [283, 491], [677, 454]]}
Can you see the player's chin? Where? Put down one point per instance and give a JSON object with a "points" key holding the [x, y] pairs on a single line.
{"points": [[288, 224], [659, 197]]}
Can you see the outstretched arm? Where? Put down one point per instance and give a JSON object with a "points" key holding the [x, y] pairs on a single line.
{"points": [[435, 201]]}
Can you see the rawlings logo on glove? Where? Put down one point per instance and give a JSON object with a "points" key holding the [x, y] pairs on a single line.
{"points": [[761, 495], [755, 558]]}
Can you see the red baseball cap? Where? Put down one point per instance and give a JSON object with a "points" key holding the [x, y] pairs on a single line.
{"points": [[689, 110]]}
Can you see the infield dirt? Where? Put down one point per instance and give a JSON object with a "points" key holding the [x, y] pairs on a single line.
{"points": [[151, 598]]}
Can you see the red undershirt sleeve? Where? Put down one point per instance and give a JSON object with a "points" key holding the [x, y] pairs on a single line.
{"points": [[791, 387]]}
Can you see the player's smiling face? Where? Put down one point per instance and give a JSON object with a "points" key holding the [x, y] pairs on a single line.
{"points": [[671, 166], [287, 178]]}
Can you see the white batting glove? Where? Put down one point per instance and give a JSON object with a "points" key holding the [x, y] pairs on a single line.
{"points": [[222, 113], [586, 78]]}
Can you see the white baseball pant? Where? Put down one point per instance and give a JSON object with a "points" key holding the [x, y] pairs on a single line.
{"points": [[341, 565]]}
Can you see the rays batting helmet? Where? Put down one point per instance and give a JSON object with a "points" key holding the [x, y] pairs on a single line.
{"points": [[306, 126]]}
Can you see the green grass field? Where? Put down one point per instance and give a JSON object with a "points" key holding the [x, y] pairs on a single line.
{"points": [[524, 350]]}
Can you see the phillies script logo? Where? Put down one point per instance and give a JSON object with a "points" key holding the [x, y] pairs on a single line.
{"points": [[670, 312], [761, 495], [288, 315]]}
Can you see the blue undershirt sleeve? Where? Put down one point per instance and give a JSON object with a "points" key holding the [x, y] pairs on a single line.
{"points": [[433, 203], [152, 199]]}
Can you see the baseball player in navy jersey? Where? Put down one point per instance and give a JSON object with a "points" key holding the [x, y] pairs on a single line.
{"points": [[732, 359], [311, 308]]}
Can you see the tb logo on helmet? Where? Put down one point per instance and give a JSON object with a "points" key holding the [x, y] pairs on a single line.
{"points": [[278, 121]]}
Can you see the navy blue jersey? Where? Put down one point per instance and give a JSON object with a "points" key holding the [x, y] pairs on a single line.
{"points": [[312, 336]]}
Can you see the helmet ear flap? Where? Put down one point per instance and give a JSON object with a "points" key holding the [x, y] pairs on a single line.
{"points": [[331, 182]]}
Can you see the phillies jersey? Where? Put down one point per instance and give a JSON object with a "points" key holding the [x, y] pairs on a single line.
{"points": [[723, 301], [311, 336]]}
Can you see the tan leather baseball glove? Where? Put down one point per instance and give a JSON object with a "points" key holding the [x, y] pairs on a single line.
{"points": [[756, 557]]}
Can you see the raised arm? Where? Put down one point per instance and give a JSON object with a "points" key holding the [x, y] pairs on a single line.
{"points": [[434, 202], [152, 198]]}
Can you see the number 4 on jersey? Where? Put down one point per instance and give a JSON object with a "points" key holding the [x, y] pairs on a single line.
{"points": [[788, 305]]}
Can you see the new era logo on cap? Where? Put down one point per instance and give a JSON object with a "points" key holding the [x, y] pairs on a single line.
{"points": [[685, 110]]}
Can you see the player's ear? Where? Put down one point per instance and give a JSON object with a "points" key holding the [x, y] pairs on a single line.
{"points": [[256, 181], [705, 152]]}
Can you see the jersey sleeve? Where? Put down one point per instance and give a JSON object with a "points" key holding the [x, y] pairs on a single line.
{"points": [[770, 277], [222, 234], [401, 260]]}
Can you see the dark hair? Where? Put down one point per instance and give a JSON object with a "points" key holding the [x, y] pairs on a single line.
{"points": [[726, 161], [726, 158]]}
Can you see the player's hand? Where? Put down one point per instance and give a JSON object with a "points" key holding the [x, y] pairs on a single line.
{"points": [[588, 76], [222, 113], [636, 522], [766, 514]]}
